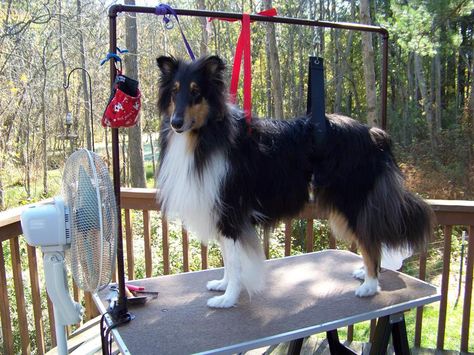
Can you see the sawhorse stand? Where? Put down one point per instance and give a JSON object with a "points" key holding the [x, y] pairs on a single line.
{"points": [[393, 325]]}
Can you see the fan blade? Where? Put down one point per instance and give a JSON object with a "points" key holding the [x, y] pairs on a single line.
{"points": [[87, 210]]}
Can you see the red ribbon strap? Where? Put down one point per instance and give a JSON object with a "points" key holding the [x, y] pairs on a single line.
{"points": [[243, 49]]}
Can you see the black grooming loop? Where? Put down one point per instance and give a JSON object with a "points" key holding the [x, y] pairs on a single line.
{"points": [[119, 313], [316, 99]]}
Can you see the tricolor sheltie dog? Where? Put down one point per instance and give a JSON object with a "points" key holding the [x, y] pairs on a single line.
{"points": [[222, 178]]}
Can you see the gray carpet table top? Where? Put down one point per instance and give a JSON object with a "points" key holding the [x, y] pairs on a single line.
{"points": [[304, 295]]}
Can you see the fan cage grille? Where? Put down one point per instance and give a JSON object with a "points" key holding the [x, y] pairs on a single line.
{"points": [[88, 193]]}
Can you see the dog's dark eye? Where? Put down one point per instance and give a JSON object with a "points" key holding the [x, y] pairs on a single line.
{"points": [[175, 89], [195, 93]]}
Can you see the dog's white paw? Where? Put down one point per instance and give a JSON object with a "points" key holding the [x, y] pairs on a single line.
{"points": [[217, 285], [221, 302], [359, 273], [369, 288]]}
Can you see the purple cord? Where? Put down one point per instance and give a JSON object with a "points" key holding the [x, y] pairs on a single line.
{"points": [[165, 11]]}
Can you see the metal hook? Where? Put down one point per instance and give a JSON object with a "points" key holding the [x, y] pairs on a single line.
{"points": [[66, 86], [168, 23], [316, 42]]}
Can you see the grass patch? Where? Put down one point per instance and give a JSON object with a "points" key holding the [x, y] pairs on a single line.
{"points": [[16, 191]]}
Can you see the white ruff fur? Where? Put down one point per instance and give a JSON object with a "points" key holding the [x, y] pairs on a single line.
{"points": [[184, 195], [196, 201]]}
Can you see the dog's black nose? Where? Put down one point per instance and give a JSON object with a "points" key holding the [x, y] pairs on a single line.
{"points": [[177, 122]]}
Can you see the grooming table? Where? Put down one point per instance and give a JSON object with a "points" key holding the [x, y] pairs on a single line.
{"points": [[304, 295]]}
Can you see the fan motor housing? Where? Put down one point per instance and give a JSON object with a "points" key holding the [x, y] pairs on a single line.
{"points": [[45, 225]]}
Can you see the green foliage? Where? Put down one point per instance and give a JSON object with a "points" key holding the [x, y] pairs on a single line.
{"points": [[412, 25], [421, 26]]}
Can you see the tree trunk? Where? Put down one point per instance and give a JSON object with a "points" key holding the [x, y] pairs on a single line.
{"points": [[334, 58], [2, 194], [369, 67], [406, 96], [321, 29], [437, 91], [107, 151], [426, 100], [471, 99], [344, 65], [289, 80], [135, 148], [27, 159], [268, 91], [338, 75], [152, 149], [462, 65], [201, 5], [85, 90], [63, 64], [44, 123], [272, 54], [302, 74], [449, 67], [470, 109], [125, 176]]}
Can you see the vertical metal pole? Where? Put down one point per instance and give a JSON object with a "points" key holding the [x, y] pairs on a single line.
{"points": [[384, 79], [122, 301], [61, 338]]}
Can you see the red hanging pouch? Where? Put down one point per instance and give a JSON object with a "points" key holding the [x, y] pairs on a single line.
{"points": [[124, 104]]}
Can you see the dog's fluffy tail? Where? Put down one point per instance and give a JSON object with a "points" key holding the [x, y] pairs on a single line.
{"points": [[395, 217]]}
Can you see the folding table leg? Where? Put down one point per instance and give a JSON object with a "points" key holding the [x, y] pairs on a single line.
{"points": [[381, 336], [399, 336], [335, 346], [295, 346], [395, 325]]}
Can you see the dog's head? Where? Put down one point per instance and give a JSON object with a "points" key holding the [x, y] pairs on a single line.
{"points": [[192, 93]]}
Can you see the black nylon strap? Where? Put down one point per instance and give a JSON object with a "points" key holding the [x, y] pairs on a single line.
{"points": [[316, 97]]}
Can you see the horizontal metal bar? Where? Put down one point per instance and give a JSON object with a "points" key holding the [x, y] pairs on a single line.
{"points": [[115, 9]]}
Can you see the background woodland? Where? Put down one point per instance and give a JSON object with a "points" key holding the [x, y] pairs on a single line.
{"points": [[430, 104]]}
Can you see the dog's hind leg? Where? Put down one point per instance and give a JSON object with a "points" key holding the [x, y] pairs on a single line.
{"points": [[220, 285], [370, 286], [371, 255]]}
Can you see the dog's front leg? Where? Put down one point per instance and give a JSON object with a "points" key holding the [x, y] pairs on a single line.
{"points": [[220, 285], [232, 251]]}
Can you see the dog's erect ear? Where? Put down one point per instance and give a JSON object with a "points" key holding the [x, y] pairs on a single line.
{"points": [[213, 65], [167, 65]]}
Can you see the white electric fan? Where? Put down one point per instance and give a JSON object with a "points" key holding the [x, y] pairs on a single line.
{"points": [[81, 224]]}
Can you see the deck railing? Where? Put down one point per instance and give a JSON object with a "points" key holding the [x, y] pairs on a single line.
{"points": [[27, 321]]}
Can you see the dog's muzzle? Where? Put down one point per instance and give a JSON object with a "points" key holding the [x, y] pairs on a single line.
{"points": [[177, 123]]}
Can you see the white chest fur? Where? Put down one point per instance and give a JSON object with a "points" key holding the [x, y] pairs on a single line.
{"points": [[185, 194]]}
